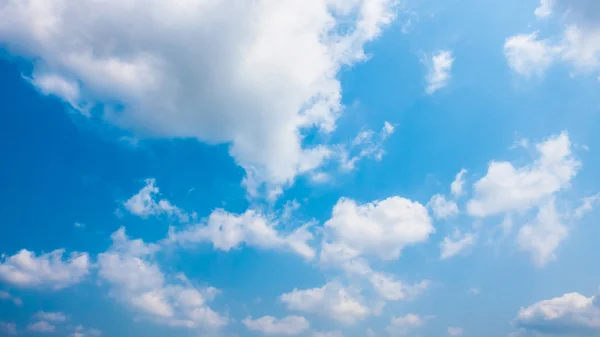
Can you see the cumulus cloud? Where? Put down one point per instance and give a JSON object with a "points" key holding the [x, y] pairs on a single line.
{"points": [[439, 73], [289, 325], [50, 270], [572, 314], [456, 188], [41, 327], [578, 45], [441, 207], [9, 297], [453, 331], [138, 281], [51, 316], [228, 231], [279, 60], [380, 228], [456, 243], [401, 325], [9, 328], [508, 189], [331, 300], [543, 236], [145, 203]]}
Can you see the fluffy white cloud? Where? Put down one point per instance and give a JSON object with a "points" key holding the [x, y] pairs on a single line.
{"points": [[144, 204], [9, 328], [579, 44], [81, 331], [254, 74], [456, 243], [508, 189], [527, 55], [453, 331], [7, 296], [51, 316], [569, 315], [137, 280], [457, 185], [439, 72], [441, 207], [50, 270], [543, 236], [390, 289], [289, 325], [401, 325], [41, 327], [331, 300], [380, 228], [227, 231]]}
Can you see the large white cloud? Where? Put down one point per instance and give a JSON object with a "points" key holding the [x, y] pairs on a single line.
{"points": [[381, 228], [578, 45], [255, 74], [572, 314], [508, 189], [51, 270], [138, 281], [331, 300], [289, 325], [228, 231]]}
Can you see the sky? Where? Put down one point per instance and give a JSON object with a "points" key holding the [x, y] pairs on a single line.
{"points": [[318, 168]]}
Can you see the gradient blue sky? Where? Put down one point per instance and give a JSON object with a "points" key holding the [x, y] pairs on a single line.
{"points": [[291, 168]]}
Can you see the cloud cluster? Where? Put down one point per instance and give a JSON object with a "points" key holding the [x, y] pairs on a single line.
{"points": [[289, 325], [255, 74]]}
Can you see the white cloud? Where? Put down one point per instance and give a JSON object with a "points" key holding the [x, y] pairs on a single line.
{"points": [[9, 328], [367, 144], [586, 206], [545, 8], [289, 325], [543, 236], [453, 331], [456, 243], [527, 55], [457, 185], [25, 269], [508, 189], [51, 316], [441, 207], [439, 72], [401, 325], [81, 331], [7, 296], [41, 327], [228, 231], [280, 60], [144, 204], [137, 280], [381, 228], [331, 300], [328, 334], [393, 290], [569, 315]]}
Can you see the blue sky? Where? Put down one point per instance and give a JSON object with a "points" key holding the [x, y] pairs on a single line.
{"points": [[299, 168]]}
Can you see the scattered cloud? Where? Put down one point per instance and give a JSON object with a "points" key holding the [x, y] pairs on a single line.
{"points": [[144, 204], [331, 300], [9, 328], [9, 297], [367, 144], [41, 327], [456, 188], [441, 207], [289, 325], [527, 55], [328, 334], [453, 331], [380, 228], [136, 280], [572, 314], [586, 206], [456, 243], [51, 316], [439, 72], [228, 231], [401, 325], [51, 270]]}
